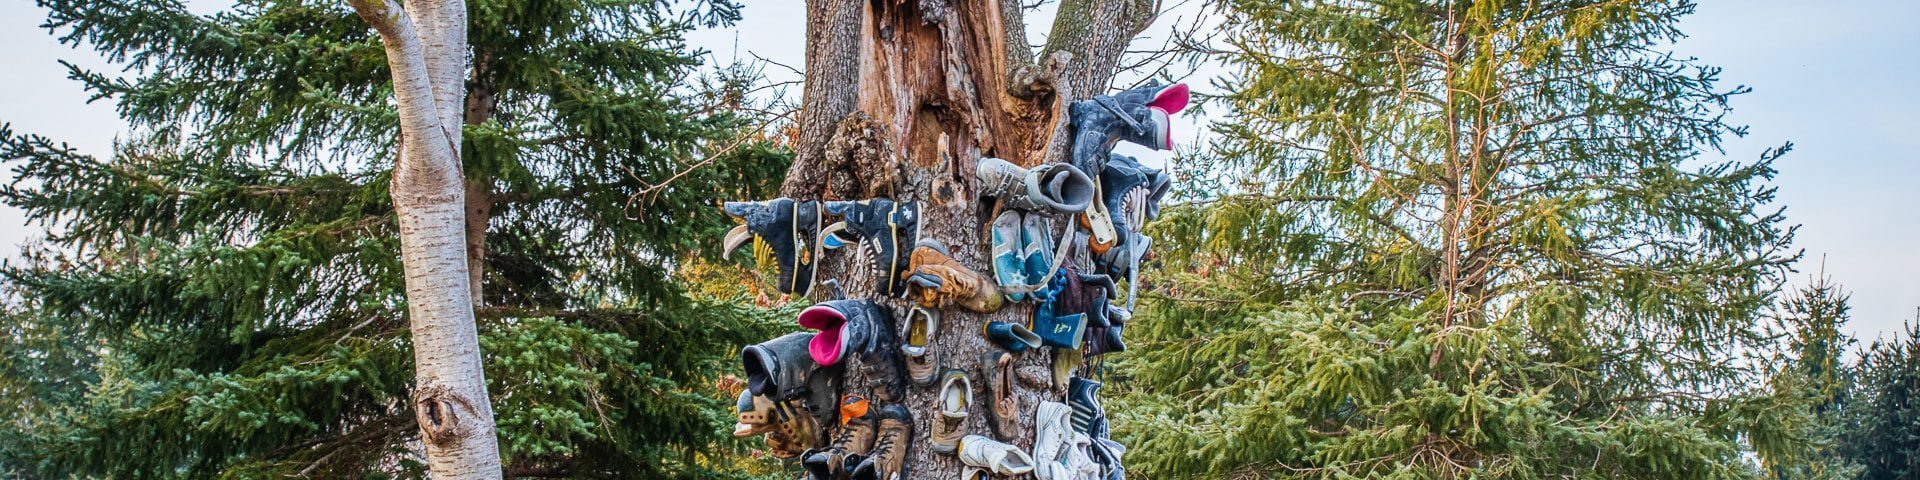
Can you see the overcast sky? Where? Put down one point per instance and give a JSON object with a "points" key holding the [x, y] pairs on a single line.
{"points": [[1834, 77]]}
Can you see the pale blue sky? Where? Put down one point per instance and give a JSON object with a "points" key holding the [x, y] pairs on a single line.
{"points": [[1834, 77]]}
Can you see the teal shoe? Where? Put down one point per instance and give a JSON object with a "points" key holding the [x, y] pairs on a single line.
{"points": [[1009, 261]]}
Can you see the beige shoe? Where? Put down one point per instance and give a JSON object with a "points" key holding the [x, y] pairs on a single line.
{"points": [[950, 416]]}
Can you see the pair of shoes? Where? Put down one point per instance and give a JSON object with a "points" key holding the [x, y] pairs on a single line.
{"points": [[1023, 250], [885, 231], [1141, 115], [871, 444], [943, 281], [1059, 452], [923, 365], [788, 228], [789, 431], [1068, 304], [1054, 187]]}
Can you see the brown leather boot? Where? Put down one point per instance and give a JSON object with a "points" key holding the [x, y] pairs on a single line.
{"points": [[944, 282], [1003, 408], [855, 438], [888, 460]]}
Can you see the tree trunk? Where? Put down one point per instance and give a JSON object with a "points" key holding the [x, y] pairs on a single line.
{"points": [[902, 98], [426, 49]]}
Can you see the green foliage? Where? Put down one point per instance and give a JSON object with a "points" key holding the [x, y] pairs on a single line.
{"points": [[1879, 418], [1464, 240], [222, 296]]}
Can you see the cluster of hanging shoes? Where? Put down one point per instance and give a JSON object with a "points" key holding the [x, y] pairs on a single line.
{"points": [[1063, 233]]}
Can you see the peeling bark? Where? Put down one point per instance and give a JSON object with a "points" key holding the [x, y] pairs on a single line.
{"points": [[902, 98]]}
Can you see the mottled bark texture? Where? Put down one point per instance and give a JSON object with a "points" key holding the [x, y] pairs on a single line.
{"points": [[902, 98], [426, 47]]}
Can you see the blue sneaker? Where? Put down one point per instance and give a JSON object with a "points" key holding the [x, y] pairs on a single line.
{"points": [[1009, 262]]}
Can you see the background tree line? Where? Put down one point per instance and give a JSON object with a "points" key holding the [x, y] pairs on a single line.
{"points": [[1431, 240]]}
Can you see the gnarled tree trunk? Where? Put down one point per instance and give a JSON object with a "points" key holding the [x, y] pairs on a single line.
{"points": [[426, 45], [902, 98]]}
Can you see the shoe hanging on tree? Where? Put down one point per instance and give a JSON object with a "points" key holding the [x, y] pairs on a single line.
{"points": [[854, 438], [944, 282], [1054, 187], [1054, 448], [923, 364], [1142, 115], [950, 412], [886, 231], [1010, 336], [789, 430], [1009, 256], [888, 459], [1000, 458], [788, 228], [783, 369], [1003, 407]]}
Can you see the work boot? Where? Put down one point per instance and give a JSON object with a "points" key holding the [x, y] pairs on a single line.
{"points": [[950, 412], [1010, 336], [789, 229], [923, 364], [1003, 408], [854, 438], [1056, 187], [1142, 115], [945, 282], [1009, 256], [789, 430], [888, 459], [885, 229], [990, 454]]}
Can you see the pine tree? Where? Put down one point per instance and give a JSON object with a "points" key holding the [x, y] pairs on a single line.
{"points": [[1881, 420], [235, 266], [1471, 239]]}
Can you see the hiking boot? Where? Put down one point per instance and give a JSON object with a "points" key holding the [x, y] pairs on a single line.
{"points": [[950, 415], [945, 282], [990, 454], [778, 368], [1141, 115], [1010, 336], [1053, 442], [789, 431], [1003, 408], [1009, 256], [888, 459], [923, 365], [1054, 187], [884, 229], [846, 327], [788, 228], [855, 437]]}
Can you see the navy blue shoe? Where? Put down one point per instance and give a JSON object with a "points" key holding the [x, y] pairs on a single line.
{"points": [[1012, 337], [789, 228], [885, 229], [1086, 408], [1141, 115]]}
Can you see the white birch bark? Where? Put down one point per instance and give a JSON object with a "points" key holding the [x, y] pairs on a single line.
{"points": [[426, 49]]}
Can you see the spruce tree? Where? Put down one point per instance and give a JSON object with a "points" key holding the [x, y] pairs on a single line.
{"points": [[1880, 419], [231, 274], [1468, 239]]}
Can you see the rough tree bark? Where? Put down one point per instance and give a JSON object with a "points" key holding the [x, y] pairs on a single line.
{"points": [[426, 46], [902, 98]]}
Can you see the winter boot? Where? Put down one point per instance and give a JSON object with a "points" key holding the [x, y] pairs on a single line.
{"points": [[846, 327], [1010, 336], [923, 365], [1003, 408], [1105, 340], [1052, 187], [888, 459], [1009, 262], [950, 416], [778, 368], [789, 228], [855, 438], [1141, 115], [886, 231], [945, 282], [990, 454]]}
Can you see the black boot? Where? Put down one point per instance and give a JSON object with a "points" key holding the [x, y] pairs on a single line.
{"points": [[885, 229], [1141, 115], [789, 228]]}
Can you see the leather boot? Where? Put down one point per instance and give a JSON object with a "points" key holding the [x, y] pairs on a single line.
{"points": [[944, 282], [855, 437], [1003, 408], [888, 459]]}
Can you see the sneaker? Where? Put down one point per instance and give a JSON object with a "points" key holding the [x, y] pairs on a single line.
{"points": [[1000, 458], [923, 365], [855, 438], [1009, 262], [1141, 115], [884, 229], [1054, 187], [1036, 253], [950, 419], [1086, 408], [1003, 407], [789, 228], [1053, 442], [888, 459], [1010, 336], [944, 282]]}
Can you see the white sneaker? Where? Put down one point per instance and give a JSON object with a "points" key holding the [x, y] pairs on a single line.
{"points": [[990, 454]]}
